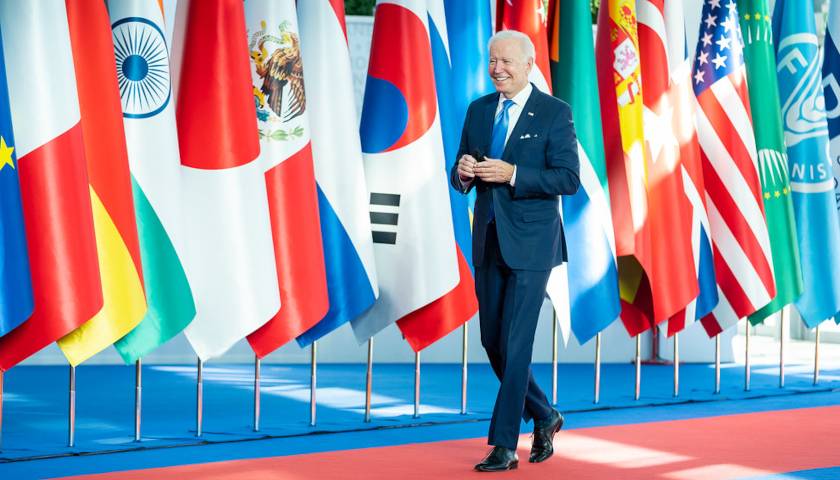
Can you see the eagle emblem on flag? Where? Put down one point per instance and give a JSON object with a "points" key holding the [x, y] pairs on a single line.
{"points": [[281, 95]]}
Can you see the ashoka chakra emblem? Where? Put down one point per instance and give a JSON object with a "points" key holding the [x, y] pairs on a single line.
{"points": [[142, 67]]}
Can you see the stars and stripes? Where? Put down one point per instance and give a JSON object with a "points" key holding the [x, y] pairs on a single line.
{"points": [[733, 193]]}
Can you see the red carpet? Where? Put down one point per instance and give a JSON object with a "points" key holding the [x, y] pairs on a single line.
{"points": [[733, 446]]}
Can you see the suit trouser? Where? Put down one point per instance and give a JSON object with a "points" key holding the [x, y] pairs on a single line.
{"points": [[509, 305]]}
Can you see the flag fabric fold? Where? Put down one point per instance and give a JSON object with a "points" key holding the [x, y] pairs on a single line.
{"points": [[831, 91], [339, 168], [620, 87], [414, 245], [741, 244], [593, 275], [681, 98], [16, 302], [811, 179], [117, 244], [152, 144], [772, 155], [229, 252], [672, 276], [286, 154], [53, 177], [426, 325]]}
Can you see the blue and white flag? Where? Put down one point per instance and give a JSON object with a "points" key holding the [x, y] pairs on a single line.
{"points": [[339, 169], [811, 178], [16, 301], [831, 86]]}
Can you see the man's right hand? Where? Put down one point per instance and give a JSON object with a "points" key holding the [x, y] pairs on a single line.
{"points": [[466, 167]]}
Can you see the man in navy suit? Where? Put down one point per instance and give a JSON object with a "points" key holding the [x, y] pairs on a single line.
{"points": [[527, 156]]}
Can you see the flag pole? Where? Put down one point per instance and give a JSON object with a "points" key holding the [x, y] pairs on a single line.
{"points": [[416, 384], [782, 317], [816, 359], [71, 441], [313, 382], [597, 368], [199, 397], [747, 360], [554, 358], [464, 370], [369, 380], [638, 391], [717, 363], [676, 365], [257, 392], [138, 397]]}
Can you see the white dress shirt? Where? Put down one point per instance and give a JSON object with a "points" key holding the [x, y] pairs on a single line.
{"points": [[514, 112]]}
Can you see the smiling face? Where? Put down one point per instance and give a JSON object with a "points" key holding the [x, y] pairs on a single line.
{"points": [[509, 66]]}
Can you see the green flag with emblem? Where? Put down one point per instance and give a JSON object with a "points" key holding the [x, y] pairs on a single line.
{"points": [[772, 159]]}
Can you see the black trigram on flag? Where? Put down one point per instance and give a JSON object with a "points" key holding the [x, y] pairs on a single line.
{"points": [[384, 213]]}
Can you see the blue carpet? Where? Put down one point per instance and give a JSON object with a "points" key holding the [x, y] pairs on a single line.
{"points": [[832, 473], [35, 415]]}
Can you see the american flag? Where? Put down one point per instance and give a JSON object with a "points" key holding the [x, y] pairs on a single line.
{"points": [[741, 244]]}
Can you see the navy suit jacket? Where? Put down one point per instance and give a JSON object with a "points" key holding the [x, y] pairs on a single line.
{"points": [[543, 146]]}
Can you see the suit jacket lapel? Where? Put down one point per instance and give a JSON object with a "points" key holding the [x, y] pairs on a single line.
{"points": [[489, 116], [529, 112]]}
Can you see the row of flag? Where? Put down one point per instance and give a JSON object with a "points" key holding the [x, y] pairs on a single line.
{"points": [[219, 186], [707, 187], [211, 187]]}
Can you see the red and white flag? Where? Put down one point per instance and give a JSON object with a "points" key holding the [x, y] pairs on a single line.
{"points": [[673, 281], [53, 176], [286, 155], [229, 250]]}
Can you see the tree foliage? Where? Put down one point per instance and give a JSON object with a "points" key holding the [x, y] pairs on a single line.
{"points": [[359, 7]]}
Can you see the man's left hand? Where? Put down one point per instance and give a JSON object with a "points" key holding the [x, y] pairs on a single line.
{"points": [[494, 171]]}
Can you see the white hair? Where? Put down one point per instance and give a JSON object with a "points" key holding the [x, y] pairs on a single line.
{"points": [[525, 42]]}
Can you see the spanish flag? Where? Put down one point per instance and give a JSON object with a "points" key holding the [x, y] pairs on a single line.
{"points": [[620, 85]]}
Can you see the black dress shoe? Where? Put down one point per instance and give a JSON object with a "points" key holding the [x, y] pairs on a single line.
{"points": [[498, 460], [542, 446]]}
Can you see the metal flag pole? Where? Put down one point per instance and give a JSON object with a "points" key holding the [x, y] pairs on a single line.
{"points": [[747, 360], [313, 383], [782, 317], [369, 380], [597, 368], [676, 365], [638, 367], [199, 398], [717, 363], [416, 384], [257, 392], [71, 441], [554, 359], [138, 397], [816, 358], [464, 371]]}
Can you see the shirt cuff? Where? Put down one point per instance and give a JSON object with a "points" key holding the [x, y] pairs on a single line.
{"points": [[465, 185], [513, 177]]}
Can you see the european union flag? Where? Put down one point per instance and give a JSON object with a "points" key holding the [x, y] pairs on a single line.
{"points": [[16, 301]]}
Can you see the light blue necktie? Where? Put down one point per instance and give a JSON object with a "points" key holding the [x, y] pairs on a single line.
{"points": [[497, 142]]}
